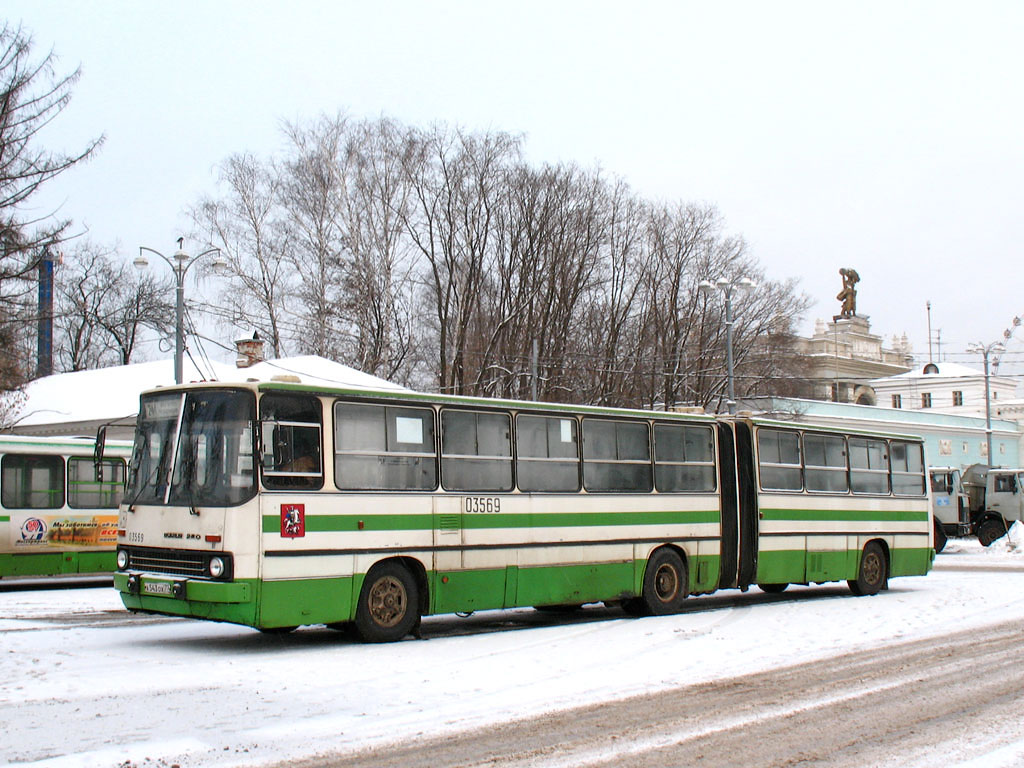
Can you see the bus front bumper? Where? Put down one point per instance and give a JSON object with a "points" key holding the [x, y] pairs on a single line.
{"points": [[135, 588]]}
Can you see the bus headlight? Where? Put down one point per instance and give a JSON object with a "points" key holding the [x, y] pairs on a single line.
{"points": [[216, 567], [122, 559]]}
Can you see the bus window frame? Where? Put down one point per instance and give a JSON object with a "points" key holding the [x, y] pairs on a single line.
{"points": [[684, 426], [510, 458], [576, 460], [91, 462], [799, 466], [923, 474], [882, 472], [606, 462], [386, 407], [293, 479], [57, 461], [831, 468]]}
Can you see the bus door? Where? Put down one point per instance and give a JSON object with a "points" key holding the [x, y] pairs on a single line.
{"points": [[729, 543], [448, 541], [739, 505], [748, 509]]}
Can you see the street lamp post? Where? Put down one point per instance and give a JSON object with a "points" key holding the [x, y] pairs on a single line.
{"points": [[726, 287], [985, 350], [179, 264]]}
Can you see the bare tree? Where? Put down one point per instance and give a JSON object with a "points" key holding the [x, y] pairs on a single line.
{"points": [[625, 261], [759, 315], [32, 95], [312, 193], [438, 257], [102, 306], [245, 223], [378, 300], [80, 294], [549, 235], [677, 237], [454, 178]]}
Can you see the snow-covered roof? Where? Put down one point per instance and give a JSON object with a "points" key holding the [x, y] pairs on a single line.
{"points": [[110, 393], [940, 370]]}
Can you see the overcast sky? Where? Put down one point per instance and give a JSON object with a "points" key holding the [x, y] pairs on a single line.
{"points": [[883, 136]]}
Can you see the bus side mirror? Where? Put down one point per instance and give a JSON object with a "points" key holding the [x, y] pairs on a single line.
{"points": [[97, 452]]}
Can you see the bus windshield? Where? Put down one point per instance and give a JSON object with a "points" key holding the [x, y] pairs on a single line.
{"points": [[194, 449]]}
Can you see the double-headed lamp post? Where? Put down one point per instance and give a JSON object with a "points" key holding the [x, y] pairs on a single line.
{"points": [[179, 264], [726, 287], [985, 350]]}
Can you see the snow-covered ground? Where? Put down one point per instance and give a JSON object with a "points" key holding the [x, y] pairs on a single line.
{"points": [[81, 686]]}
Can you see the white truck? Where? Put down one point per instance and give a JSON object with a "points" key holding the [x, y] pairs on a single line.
{"points": [[996, 498], [950, 505]]}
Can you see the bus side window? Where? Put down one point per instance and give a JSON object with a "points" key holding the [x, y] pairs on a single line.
{"points": [[869, 466], [616, 456], [290, 435], [548, 454], [384, 447], [907, 463], [85, 491], [33, 482], [779, 460], [683, 458], [825, 463], [476, 451]]}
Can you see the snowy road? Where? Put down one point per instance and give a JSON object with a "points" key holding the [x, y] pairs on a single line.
{"points": [[855, 710], [925, 674]]}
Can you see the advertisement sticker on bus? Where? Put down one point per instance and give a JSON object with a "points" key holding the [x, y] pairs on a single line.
{"points": [[64, 530]]}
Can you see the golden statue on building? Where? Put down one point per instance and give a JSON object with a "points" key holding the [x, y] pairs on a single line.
{"points": [[848, 296]]}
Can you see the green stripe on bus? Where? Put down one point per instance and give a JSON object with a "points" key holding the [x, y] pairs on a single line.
{"points": [[578, 519], [335, 523], [845, 515]]}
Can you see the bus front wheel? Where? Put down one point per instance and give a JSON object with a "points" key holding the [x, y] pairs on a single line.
{"points": [[665, 584], [873, 574], [387, 609]]}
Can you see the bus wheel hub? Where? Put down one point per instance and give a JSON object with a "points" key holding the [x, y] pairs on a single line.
{"points": [[388, 601]]}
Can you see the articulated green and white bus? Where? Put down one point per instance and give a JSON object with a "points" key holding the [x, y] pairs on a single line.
{"points": [[59, 505], [277, 504]]}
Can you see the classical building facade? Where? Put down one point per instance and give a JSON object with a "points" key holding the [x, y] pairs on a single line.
{"points": [[845, 357]]}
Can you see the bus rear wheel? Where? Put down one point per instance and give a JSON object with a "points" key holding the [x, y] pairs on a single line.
{"points": [[940, 537], [665, 584], [387, 609], [774, 589], [873, 574]]}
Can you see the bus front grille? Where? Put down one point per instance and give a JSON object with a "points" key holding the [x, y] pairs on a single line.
{"points": [[173, 561]]}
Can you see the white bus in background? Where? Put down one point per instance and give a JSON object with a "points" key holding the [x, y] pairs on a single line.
{"points": [[58, 504]]}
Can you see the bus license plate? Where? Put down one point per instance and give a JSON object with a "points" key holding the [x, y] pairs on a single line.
{"points": [[157, 588]]}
